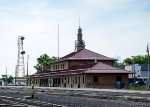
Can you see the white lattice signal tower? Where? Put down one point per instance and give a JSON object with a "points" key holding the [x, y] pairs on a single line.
{"points": [[20, 67]]}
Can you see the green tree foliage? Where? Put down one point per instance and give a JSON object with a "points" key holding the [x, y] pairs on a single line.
{"points": [[128, 61], [140, 59], [44, 59], [7, 78], [119, 64]]}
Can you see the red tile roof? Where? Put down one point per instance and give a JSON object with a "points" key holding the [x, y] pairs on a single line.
{"points": [[73, 69], [85, 55], [82, 66], [104, 68], [88, 68]]}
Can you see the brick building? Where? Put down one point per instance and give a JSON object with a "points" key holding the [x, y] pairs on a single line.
{"points": [[81, 68]]}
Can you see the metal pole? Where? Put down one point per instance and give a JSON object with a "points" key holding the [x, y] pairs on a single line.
{"points": [[27, 68], [147, 50], [58, 41], [148, 74], [134, 71], [6, 76]]}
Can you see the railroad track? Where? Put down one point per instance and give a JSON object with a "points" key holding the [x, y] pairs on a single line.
{"points": [[18, 102]]}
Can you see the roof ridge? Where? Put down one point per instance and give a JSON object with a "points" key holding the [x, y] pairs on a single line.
{"points": [[77, 52], [99, 54], [105, 65], [85, 54]]}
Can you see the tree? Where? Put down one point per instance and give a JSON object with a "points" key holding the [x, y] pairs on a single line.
{"points": [[119, 64], [140, 59], [7, 78], [128, 61], [10, 79], [44, 59]]}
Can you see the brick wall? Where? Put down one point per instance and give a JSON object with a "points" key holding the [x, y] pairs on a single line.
{"points": [[105, 80]]}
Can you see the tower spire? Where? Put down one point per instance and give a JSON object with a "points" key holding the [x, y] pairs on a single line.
{"points": [[79, 43]]}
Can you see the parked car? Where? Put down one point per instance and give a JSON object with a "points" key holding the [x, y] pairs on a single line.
{"points": [[136, 81], [140, 83], [133, 80]]}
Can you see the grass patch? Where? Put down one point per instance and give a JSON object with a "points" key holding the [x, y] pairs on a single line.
{"points": [[137, 87]]}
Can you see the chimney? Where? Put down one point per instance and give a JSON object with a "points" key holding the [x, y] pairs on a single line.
{"points": [[95, 60]]}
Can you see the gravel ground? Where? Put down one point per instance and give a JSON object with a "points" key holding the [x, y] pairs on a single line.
{"points": [[76, 98]]}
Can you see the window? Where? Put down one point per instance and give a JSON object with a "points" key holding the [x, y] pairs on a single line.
{"points": [[95, 79], [118, 78], [63, 66], [58, 67], [79, 79], [62, 81], [58, 80]]}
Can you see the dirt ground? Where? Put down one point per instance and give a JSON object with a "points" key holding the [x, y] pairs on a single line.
{"points": [[82, 97]]}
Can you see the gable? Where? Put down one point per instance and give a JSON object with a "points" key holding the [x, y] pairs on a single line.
{"points": [[85, 55]]}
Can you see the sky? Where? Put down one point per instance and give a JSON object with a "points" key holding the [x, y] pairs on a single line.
{"points": [[114, 28]]}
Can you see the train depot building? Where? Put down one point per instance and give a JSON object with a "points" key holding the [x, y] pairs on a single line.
{"points": [[81, 68]]}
